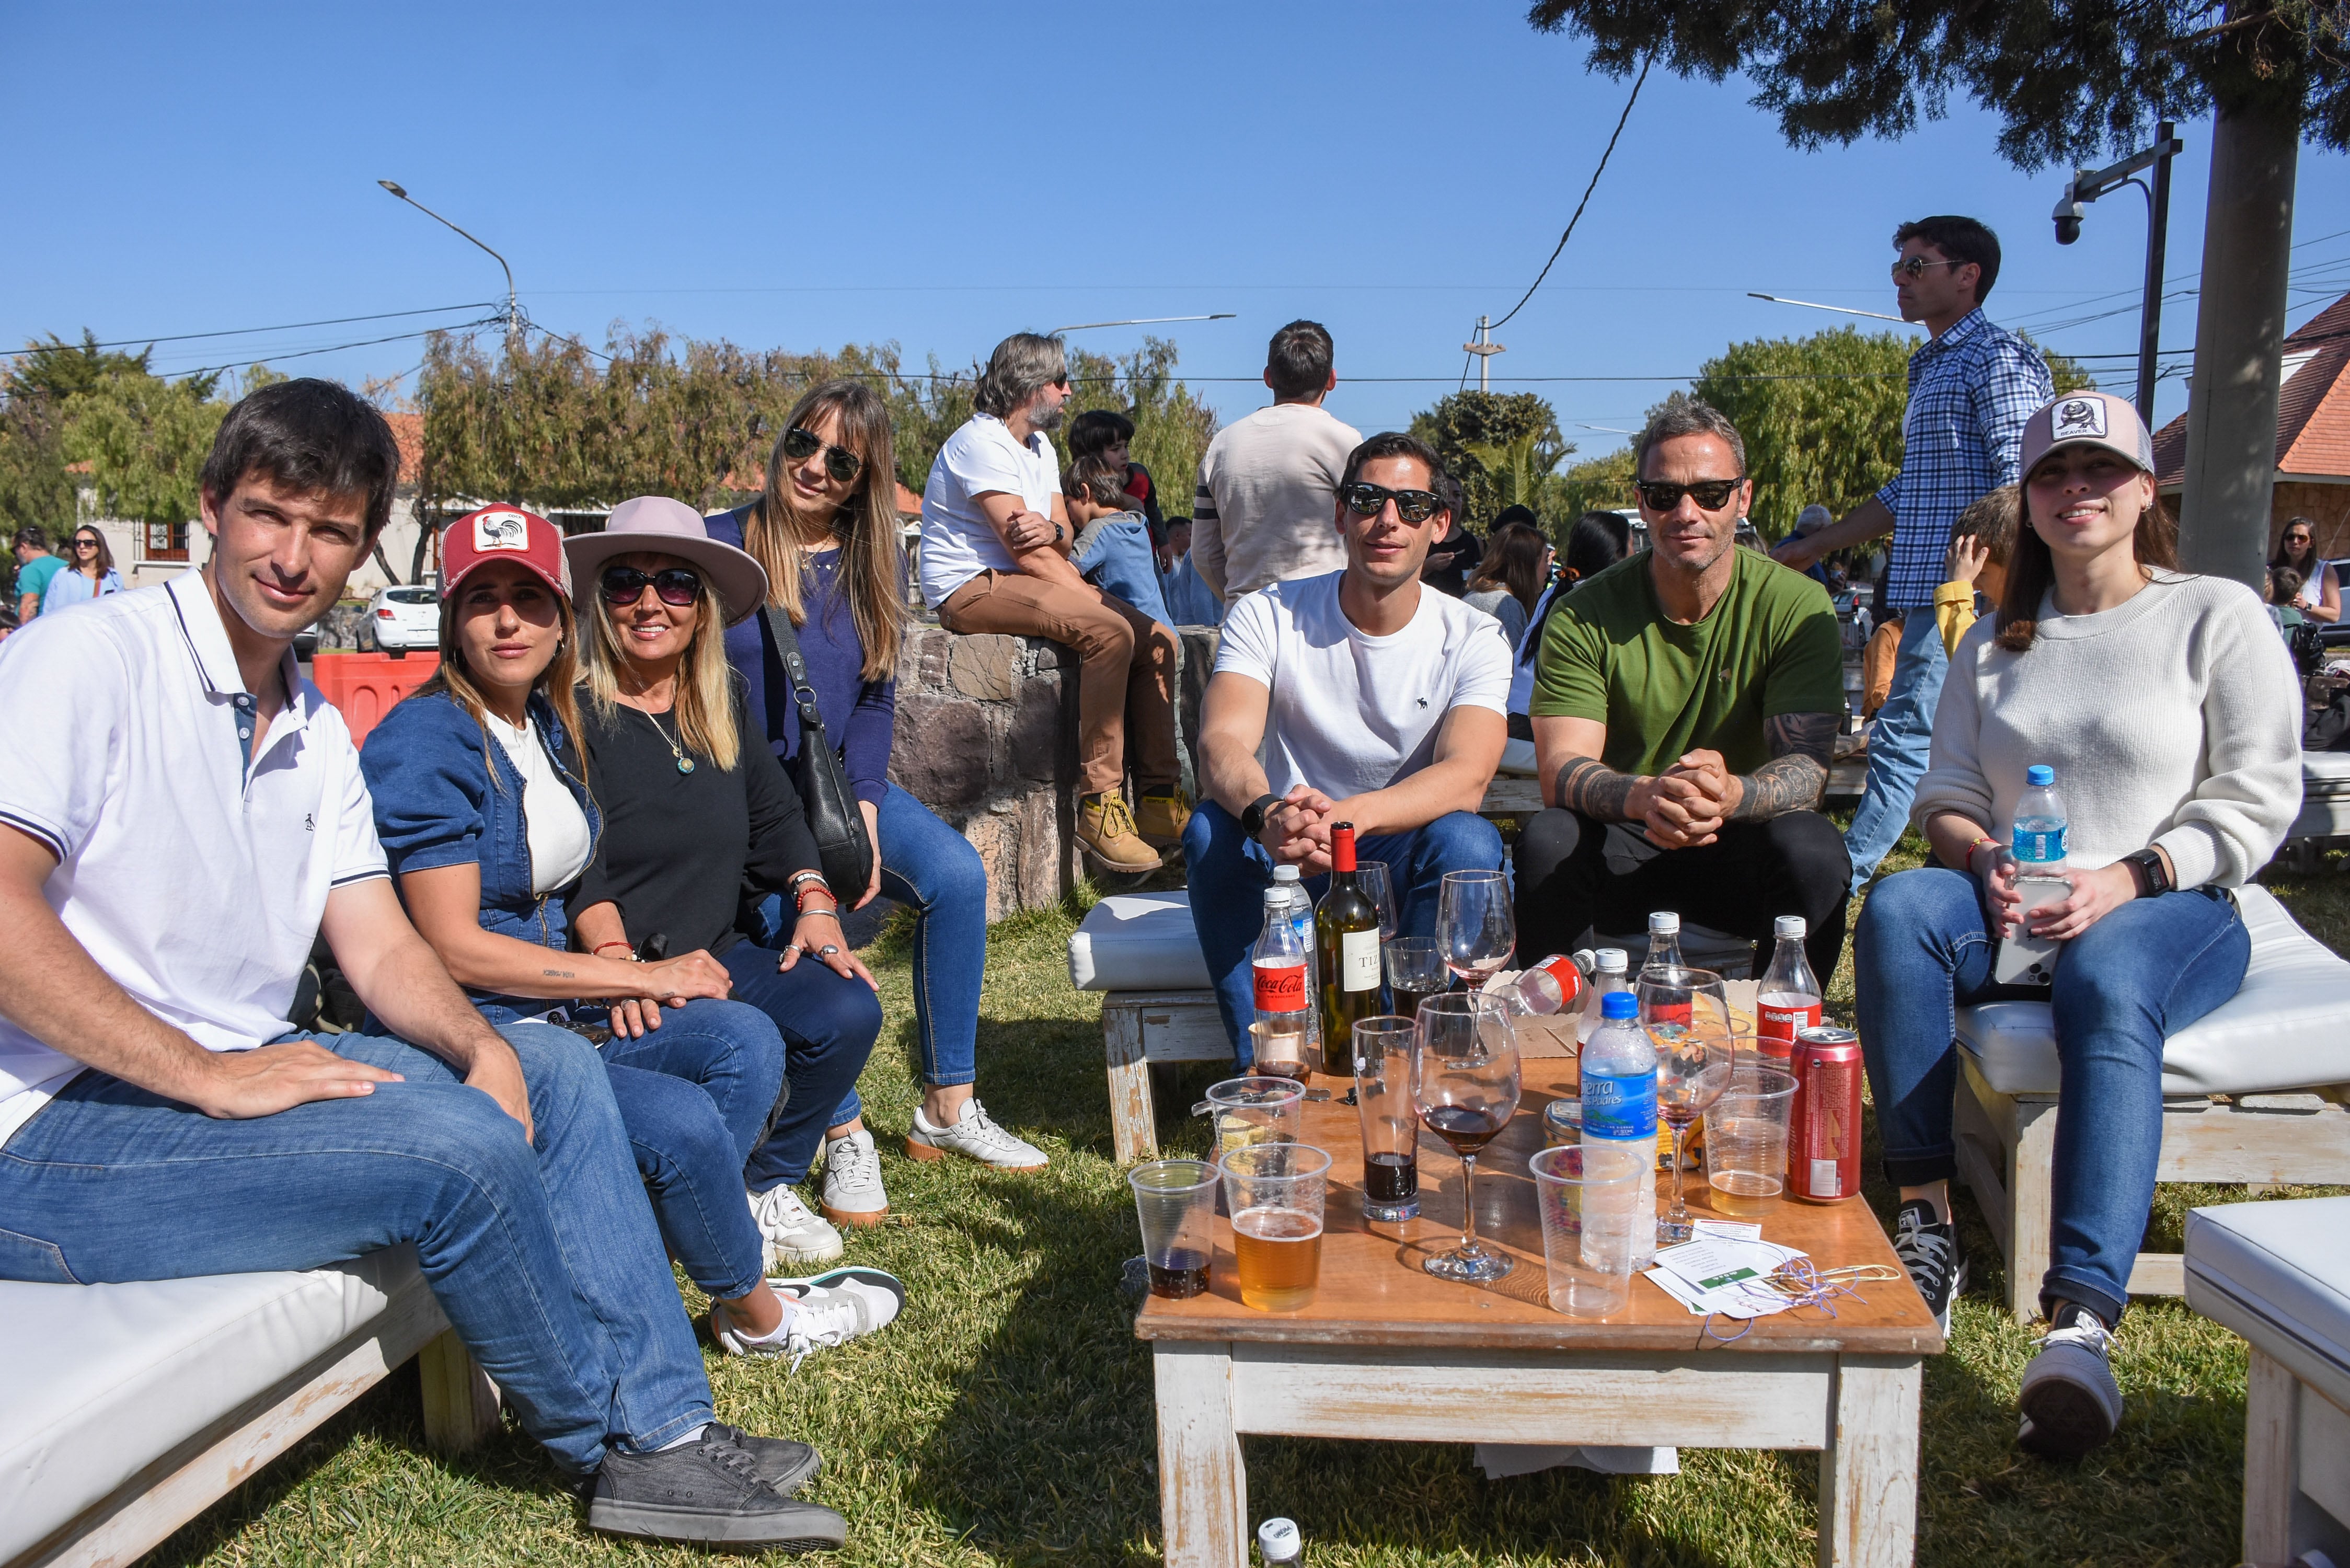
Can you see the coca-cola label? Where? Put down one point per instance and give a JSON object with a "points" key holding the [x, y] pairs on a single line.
{"points": [[1562, 968], [1281, 987], [1781, 1018]]}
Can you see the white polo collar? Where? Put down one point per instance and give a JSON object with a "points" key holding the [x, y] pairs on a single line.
{"points": [[216, 662]]}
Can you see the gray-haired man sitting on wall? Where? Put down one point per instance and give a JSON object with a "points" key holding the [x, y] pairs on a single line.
{"points": [[995, 534]]}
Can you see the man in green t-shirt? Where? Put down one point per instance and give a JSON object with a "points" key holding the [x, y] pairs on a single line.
{"points": [[1685, 703], [35, 568]]}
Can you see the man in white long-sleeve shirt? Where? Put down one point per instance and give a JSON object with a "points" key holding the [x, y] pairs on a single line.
{"points": [[1269, 483]]}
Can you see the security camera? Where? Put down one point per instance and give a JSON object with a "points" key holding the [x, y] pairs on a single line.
{"points": [[2067, 212], [2068, 229]]}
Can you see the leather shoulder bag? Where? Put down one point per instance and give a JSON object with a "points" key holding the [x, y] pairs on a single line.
{"points": [[843, 852]]}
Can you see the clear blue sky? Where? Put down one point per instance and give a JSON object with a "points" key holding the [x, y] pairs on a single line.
{"points": [[802, 176]]}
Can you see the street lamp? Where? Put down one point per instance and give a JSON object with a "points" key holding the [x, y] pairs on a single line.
{"points": [[2086, 186], [513, 310]]}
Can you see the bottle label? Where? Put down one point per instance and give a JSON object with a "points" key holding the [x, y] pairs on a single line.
{"points": [[1359, 961], [2043, 848], [1620, 1106], [1781, 1018], [1281, 987]]}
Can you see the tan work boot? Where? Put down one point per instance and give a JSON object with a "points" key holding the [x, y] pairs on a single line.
{"points": [[1161, 819], [1106, 830]]}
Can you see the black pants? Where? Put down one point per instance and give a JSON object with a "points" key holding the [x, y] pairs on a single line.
{"points": [[1573, 871]]}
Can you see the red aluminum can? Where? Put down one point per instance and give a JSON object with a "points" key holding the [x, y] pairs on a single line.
{"points": [[1824, 1122]]}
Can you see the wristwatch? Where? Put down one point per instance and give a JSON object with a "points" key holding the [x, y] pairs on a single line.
{"points": [[1253, 819], [2152, 878]]}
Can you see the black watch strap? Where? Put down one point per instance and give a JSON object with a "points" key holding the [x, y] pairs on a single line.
{"points": [[1253, 819], [2152, 878]]}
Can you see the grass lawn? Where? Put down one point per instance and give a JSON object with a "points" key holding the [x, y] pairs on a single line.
{"points": [[1006, 1417]]}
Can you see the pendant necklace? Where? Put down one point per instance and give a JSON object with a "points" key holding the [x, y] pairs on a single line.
{"points": [[684, 763]]}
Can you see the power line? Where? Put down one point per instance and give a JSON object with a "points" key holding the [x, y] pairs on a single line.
{"points": [[1604, 157], [247, 331]]}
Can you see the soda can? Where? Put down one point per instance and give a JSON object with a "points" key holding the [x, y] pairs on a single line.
{"points": [[1823, 1123], [1563, 1123]]}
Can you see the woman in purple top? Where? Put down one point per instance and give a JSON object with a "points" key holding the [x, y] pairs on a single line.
{"points": [[827, 531]]}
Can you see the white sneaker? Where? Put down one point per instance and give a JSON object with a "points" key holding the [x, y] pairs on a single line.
{"points": [[976, 1135], [794, 1237], [852, 1180], [827, 1310]]}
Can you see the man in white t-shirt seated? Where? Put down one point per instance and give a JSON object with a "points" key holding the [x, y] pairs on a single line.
{"points": [[1374, 700], [995, 537], [182, 815]]}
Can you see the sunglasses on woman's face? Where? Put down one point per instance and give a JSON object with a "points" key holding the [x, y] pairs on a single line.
{"points": [[624, 586], [1710, 494], [85, 544], [799, 445], [1368, 500]]}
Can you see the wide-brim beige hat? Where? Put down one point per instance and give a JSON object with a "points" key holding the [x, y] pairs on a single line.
{"points": [[655, 524]]}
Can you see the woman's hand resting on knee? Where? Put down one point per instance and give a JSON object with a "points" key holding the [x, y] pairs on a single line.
{"points": [[2095, 894]]}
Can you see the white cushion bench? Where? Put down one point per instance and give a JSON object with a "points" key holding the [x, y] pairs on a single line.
{"points": [[1140, 949], [2277, 1050], [2278, 1274], [127, 1409]]}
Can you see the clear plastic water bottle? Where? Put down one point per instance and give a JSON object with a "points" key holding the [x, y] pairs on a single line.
{"points": [[1619, 1114], [1283, 966], [1663, 943], [1287, 881], [1788, 997], [1611, 972], [2040, 821], [1280, 1543]]}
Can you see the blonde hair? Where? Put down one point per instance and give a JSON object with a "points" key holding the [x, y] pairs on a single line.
{"points": [[873, 565], [555, 682], [705, 693]]}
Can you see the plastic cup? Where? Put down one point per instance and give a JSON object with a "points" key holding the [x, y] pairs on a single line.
{"points": [[1176, 1201], [1274, 1191], [1746, 1142], [1253, 1110], [1390, 1121], [1588, 1218]]}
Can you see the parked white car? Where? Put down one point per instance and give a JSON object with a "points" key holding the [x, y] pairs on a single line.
{"points": [[405, 619]]}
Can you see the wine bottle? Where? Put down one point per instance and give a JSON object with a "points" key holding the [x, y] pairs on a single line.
{"points": [[1347, 944]]}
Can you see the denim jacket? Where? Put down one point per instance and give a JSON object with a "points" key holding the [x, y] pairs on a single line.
{"points": [[447, 795]]}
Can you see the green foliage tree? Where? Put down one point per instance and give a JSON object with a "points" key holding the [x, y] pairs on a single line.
{"points": [[1501, 446], [1597, 484]]}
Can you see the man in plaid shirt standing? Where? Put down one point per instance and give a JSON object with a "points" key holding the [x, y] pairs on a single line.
{"points": [[1972, 387]]}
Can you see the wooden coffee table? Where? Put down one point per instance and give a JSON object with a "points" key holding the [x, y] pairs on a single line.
{"points": [[1385, 1351]]}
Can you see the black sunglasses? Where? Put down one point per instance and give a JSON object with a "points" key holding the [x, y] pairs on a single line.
{"points": [[85, 544], [843, 464], [1914, 267], [1368, 500], [675, 585], [1710, 494]]}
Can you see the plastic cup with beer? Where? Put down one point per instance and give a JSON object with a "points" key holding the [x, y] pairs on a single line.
{"points": [[1275, 1192], [1176, 1201], [1252, 1110], [1390, 1121], [1588, 1218], [1746, 1141]]}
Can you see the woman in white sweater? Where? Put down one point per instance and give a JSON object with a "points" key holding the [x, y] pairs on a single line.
{"points": [[2161, 701]]}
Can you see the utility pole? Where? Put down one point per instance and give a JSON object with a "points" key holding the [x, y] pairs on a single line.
{"points": [[1484, 348], [2231, 411]]}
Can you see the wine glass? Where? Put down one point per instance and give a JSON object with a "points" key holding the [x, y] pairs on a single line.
{"points": [[1371, 877], [1475, 926], [1464, 1086], [1686, 1013]]}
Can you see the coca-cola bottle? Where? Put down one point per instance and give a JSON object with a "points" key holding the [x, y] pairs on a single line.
{"points": [[1283, 1003], [1788, 997]]}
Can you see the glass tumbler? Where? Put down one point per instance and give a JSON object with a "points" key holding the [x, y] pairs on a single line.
{"points": [[1390, 1121]]}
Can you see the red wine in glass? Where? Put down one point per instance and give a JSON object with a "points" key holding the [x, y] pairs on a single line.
{"points": [[1391, 1178], [1468, 1128], [1183, 1274]]}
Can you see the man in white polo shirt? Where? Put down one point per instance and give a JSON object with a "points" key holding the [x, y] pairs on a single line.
{"points": [[1372, 700], [995, 541], [183, 814]]}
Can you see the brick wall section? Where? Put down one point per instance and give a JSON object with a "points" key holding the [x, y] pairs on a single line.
{"points": [[987, 737]]}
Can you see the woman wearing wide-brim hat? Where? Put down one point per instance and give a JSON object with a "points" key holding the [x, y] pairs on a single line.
{"points": [[693, 815]]}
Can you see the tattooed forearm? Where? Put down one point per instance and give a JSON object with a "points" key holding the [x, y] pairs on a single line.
{"points": [[1590, 786], [1801, 745], [559, 974]]}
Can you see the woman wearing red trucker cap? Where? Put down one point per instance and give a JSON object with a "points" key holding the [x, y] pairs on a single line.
{"points": [[483, 802]]}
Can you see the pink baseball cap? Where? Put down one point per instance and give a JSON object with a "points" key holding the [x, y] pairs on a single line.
{"points": [[2087, 418], [503, 533]]}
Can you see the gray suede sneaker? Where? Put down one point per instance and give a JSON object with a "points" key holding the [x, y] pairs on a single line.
{"points": [[782, 1463], [2069, 1401], [708, 1493]]}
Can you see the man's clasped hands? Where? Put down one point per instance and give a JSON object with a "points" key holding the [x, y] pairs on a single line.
{"points": [[1685, 806]]}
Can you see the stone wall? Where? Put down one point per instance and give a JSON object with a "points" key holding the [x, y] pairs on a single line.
{"points": [[987, 737]]}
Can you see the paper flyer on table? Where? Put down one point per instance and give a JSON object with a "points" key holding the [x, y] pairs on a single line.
{"points": [[1725, 1270]]}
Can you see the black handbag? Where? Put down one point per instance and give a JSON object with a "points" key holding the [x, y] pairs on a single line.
{"points": [[843, 852]]}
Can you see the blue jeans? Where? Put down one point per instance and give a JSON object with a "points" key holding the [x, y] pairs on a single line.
{"points": [[933, 870], [1120, 558], [829, 1022], [2139, 975], [545, 1259], [1229, 872], [697, 1095], [1900, 743]]}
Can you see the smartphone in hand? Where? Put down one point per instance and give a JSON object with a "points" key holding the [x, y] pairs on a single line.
{"points": [[2024, 958]]}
